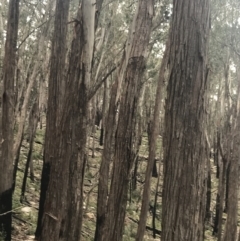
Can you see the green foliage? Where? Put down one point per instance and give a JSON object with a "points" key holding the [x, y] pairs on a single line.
{"points": [[130, 232]]}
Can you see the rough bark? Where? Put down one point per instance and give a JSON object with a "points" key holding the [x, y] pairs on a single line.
{"points": [[55, 95], [231, 231], [7, 120], [232, 220], [81, 69], [208, 180], [184, 191], [125, 141], [222, 163], [63, 214]]}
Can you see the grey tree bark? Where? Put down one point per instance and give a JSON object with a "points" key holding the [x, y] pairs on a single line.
{"points": [[184, 191], [134, 65], [7, 121], [55, 99], [231, 231], [62, 218]]}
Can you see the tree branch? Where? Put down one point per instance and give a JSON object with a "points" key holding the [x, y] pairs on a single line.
{"points": [[99, 82], [21, 43]]}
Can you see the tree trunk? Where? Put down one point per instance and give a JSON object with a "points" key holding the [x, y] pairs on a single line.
{"points": [[156, 197], [125, 141], [217, 228], [83, 45], [184, 191], [104, 108], [138, 138], [92, 126], [152, 148], [231, 231], [16, 161], [228, 174], [232, 219], [7, 121], [33, 120], [208, 180], [105, 164], [209, 188], [63, 216], [55, 94]]}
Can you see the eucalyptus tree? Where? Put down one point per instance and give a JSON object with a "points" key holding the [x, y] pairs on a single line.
{"points": [[183, 201], [62, 218], [152, 146], [7, 121], [55, 100], [109, 121], [231, 229], [42, 37], [132, 68], [223, 61]]}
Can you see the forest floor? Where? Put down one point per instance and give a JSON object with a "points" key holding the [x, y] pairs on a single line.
{"points": [[25, 213]]}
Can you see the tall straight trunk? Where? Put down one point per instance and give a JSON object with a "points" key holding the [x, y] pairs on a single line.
{"points": [[231, 232], [152, 148], [125, 141], [55, 95], [228, 174], [209, 188], [184, 191], [222, 163], [7, 121], [80, 67], [139, 133], [33, 121], [208, 179], [92, 127], [104, 108], [156, 196], [63, 206], [43, 92], [105, 164]]}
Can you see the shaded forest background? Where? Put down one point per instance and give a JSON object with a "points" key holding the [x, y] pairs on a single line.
{"points": [[86, 120]]}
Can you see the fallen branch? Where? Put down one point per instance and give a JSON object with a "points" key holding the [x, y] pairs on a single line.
{"points": [[24, 221], [159, 232], [2, 214]]}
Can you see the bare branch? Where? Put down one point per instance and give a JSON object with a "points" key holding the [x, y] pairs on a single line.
{"points": [[26, 37], [99, 82]]}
